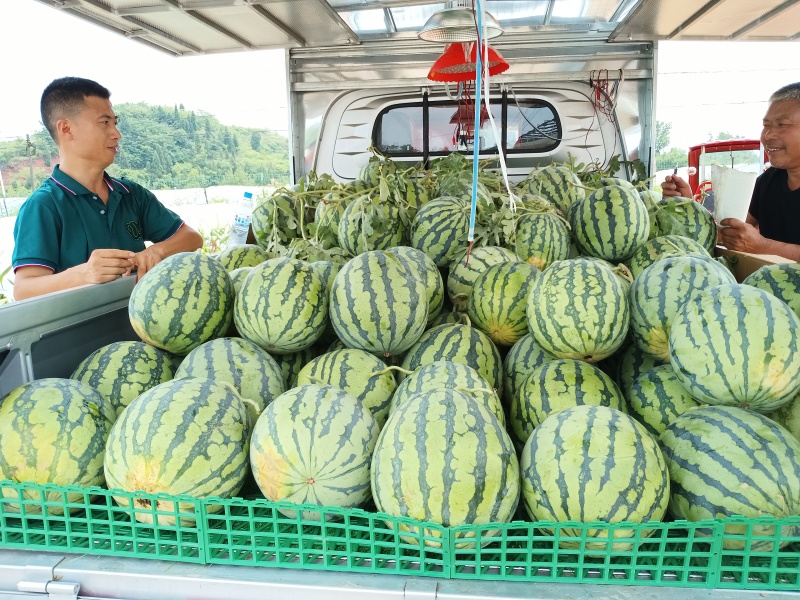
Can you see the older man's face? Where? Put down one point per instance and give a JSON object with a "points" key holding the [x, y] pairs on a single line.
{"points": [[781, 134]]}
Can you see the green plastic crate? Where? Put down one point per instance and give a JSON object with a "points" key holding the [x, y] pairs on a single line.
{"points": [[256, 532], [675, 554], [88, 520]]}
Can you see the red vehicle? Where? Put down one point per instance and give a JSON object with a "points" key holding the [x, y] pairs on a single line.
{"points": [[741, 156]]}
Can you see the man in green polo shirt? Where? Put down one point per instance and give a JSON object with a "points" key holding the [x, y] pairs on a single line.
{"points": [[83, 226]]}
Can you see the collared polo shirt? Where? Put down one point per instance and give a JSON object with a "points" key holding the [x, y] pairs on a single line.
{"points": [[62, 222]]}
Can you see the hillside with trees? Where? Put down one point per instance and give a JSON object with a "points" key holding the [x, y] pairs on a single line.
{"points": [[164, 147]]}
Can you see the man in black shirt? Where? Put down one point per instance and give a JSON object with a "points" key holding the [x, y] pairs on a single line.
{"points": [[773, 221]]}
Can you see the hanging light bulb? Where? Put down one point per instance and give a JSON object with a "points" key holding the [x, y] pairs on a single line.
{"points": [[456, 23], [458, 63]]}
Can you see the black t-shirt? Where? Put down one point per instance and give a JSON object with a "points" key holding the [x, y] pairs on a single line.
{"points": [[776, 207]]}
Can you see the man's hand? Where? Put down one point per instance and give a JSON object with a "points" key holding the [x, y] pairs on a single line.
{"points": [[675, 186], [107, 265], [146, 260], [738, 235]]}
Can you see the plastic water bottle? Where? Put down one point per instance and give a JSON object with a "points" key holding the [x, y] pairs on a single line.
{"points": [[241, 222]]}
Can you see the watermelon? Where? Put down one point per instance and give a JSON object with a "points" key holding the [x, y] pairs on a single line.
{"points": [[328, 214], [162, 443], [122, 370], [788, 416], [781, 280], [424, 269], [52, 431], [663, 247], [440, 229], [466, 267], [327, 270], [617, 181], [594, 463], [369, 224], [661, 290], [449, 375], [473, 478], [726, 461], [359, 373], [238, 276], [182, 302], [542, 239], [498, 301], [557, 184], [555, 386], [633, 362], [276, 219], [737, 345], [657, 398], [378, 304], [578, 309], [252, 372], [282, 306], [458, 343], [686, 217], [244, 255], [314, 445], [449, 317], [523, 358], [291, 364]]}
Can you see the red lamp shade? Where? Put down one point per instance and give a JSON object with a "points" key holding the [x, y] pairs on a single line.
{"points": [[457, 63]]}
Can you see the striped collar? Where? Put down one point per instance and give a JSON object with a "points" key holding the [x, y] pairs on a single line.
{"points": [[68, 184]]}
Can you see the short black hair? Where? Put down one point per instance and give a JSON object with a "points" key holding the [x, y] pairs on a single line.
{"points": [[65, 96], [787, 92]]}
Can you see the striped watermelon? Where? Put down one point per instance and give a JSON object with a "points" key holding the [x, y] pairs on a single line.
{"points": [[184, 301], [473, 478], [327, 270], [542, 239], [440, 229], [282, 306], [555, 386], [370, 224], [578, 309], [523, 358], [663, 247], [557, 184], [633, 362], [610, 223], [426, 271], [449, 317], [617, 181], [690, 219], [244, 255], [161, 444], [252, 372], [378, 304], [291, 364], [449, 375], [314, 445], [361, 374], [53, 431], [594, 463], [726, 461], [788, 416], [458, 343], [122, 370], [782, 281], [276, 219], [464, 270], [737, 345], [658, 397], [661, 290], [328, 214], [498, 301], [238, 276]]}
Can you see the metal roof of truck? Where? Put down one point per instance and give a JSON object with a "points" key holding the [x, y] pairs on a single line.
{"points": [[190, 27]]}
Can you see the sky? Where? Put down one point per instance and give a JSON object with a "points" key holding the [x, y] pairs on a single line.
{"points": [[702, 87]]}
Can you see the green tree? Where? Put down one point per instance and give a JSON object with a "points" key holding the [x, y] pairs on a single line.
{"points": [[662, 136], [255, 140], [722, 136], [674, 158]]}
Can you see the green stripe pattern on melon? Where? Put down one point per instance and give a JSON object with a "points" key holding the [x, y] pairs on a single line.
{"points": [[737, 345], [184, 301], [658, 397], [664, 247], [557, 184], [633, 362], [244, 255], [282, 306], [498, 300], [578, 309], [690, 218], [726, 461], [661, 290], [523, 358], [555, 386], [471, 479], [359, 373], [378, 304], [782, 281], [53, 431], [788, 416], [594, 463], [610, 223], [291, 364], [252, 372], [458, 343], [542, 239], [465, 270], [449, 375], [314, 445], [440, 229], [369, 224], [276, 218], [121, 371], [186, 436], [425, 269]]}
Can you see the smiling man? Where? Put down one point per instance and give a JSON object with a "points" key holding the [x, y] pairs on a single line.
{"points": [[82, 226], [773, 220]]}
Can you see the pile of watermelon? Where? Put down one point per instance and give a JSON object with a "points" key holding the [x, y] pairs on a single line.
{"points": [[585, 360]]}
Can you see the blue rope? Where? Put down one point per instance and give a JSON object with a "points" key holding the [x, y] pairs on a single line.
{"points": [[476, 125]]}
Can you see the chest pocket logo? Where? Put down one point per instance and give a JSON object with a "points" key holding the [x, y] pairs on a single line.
{"points": [[134, 228]]}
